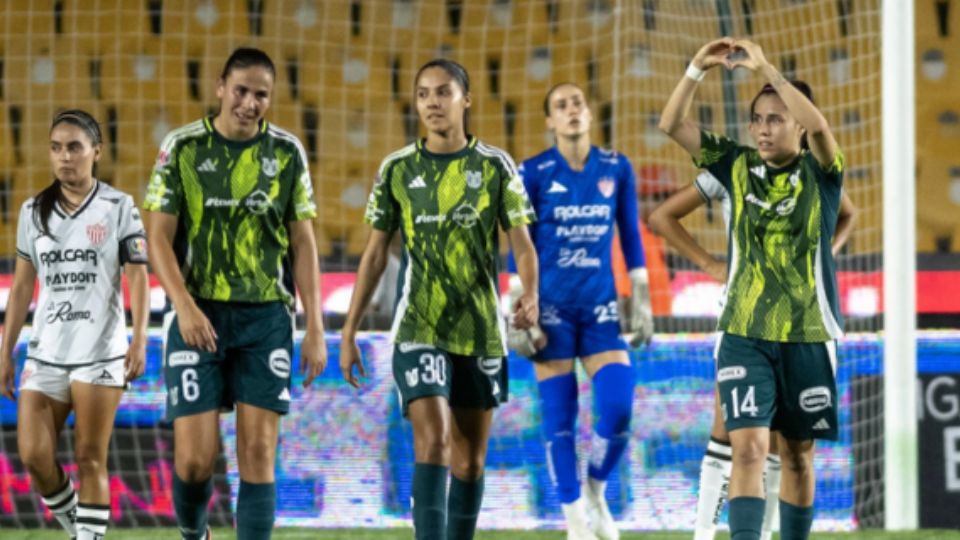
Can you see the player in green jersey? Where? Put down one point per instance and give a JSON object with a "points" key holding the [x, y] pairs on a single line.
{"points": [[446, 194], [715, 467], [776, 358], [230, 208]]}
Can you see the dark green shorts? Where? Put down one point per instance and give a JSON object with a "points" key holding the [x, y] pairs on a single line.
{"points": [[251, 365], [465, 381], [788, 387]]}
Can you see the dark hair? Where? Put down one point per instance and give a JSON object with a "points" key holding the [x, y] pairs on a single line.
{"points": [[52, 194], [245, 57], [768, 88], [456, 72], [546, 99]]}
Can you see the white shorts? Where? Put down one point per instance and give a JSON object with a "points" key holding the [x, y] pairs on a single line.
{"points": [[54, 381]]}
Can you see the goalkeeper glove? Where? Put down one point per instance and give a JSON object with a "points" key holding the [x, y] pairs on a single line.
{"points": [[636, 313]]}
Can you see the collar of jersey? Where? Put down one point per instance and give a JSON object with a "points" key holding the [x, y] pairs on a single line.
{"points": [[83, 205], [422, 147], [208, 123], [558, 156], [773, 171]]}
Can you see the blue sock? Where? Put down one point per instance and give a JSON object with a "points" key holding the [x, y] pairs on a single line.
{"points": [[746, 518], [256, 505], [558, 404], [795, 521], [190, 500], [613, 398], [429, 501]]}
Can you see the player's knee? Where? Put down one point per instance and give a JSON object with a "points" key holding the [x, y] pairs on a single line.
{"points": [[558, 403], [258, 454], [39, 461], [468, 468], [193, 468], [91, 460], [749, 452], [433, 447], [613, 387]]}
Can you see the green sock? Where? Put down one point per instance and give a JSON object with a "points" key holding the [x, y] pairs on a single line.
{"points": [[746, 518], [463, 508], [256, 504], [429, 501], [795, 521], [190, 500]]}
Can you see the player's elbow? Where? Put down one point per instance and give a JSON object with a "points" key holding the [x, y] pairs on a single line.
{"points": [[658, 221]]}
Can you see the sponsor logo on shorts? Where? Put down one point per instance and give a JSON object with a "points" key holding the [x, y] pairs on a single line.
{"points": [[105, 378], [284, 395], [413, 377], [496, 388], [183, 358], [815, 399], [280, 363], [731, 373], [490, 366], [821, 425], [549, 316]]}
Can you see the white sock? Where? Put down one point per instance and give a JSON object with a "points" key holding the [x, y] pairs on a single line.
{"points": [[92, 521], [771, 486], [714, 480], [63, 505]]}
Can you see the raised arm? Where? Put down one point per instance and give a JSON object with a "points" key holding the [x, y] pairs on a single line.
{"points": [[822, 144], [674, 120]]}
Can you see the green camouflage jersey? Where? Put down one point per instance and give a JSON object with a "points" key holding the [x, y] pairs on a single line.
{"points": [[782, 284], [447, 208], [233, 201]]}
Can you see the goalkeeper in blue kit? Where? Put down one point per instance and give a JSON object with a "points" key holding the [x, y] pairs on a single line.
{"points": [[581, 193]]}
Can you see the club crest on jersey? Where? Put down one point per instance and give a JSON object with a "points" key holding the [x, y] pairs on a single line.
{"points": [[258, 202], [474, 179], [606, 186], [97, 233], [465, 216], [269, 166]]}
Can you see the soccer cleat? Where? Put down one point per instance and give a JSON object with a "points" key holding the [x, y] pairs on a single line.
{"points": [[577, 526], [601, 521]]}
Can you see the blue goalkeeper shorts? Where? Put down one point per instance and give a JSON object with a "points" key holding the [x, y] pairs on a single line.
{"points": [[579, 331]]}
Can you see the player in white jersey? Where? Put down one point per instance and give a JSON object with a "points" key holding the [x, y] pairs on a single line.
{"points": [[75, 237], [716, 465]]}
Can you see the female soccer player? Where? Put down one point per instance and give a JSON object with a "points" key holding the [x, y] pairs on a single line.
{"points": [[581, 193], [446, 194], [776, 358], [230, 206], [75, 236], [715, 467]]}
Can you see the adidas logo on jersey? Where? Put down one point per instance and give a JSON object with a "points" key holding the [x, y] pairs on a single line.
{"points": [[822, 425], [760, 171], [417, 183], [284, 395], [556, 187], [207, 166]]}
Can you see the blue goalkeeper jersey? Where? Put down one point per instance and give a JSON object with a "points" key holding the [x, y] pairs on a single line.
{"points": [[577, 212]]}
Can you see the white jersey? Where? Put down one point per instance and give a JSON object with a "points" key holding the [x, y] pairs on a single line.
{"points": [[79, 318], [711, 189]]}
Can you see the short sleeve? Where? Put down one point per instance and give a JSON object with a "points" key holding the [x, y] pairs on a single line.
{"points": [[709, 187], [382, 211], [133, 238], [834, 172], [302, 205], [25, 232], [515, 206], [717, 155], [165, 189]]}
